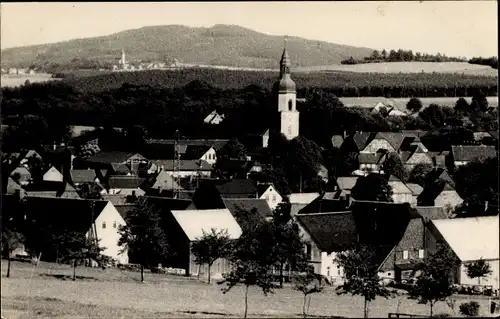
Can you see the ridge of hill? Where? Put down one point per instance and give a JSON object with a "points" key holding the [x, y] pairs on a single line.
{"points": [[226, 45]]}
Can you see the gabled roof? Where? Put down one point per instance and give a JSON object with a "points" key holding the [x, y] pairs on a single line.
{"points": [[62, 213], [398, 187], [125, 210], [330, 231], [120, 168], [432, 212], [115, 199], [337, 140], [52, 189], [415, 188], [237, 187], [432, 190], [125, 182], [185, 165], [494, 134], [113, 157], [347, 183], [83, 175], [322, 205], [12, 186], [471, 238], [165, 181], [370, 158], [248, 212], [395, 139], [302, 198], [470, 152], [362, 139], [21, 170], [195, 152], [194, 222], [167, 204]]}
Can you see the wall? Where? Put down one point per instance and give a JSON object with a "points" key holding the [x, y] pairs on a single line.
{"points": [[448, 198], [492, 279], [53, 175], [330, 269], [402, 198], [127, 191], [290, 119], [219, 267], [377, 144], [109, 235], [210, 156], [268, 196], [417, 158]]}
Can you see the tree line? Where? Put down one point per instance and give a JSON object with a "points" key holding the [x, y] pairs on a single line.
{"points": [[402, 56], [492, 61]]}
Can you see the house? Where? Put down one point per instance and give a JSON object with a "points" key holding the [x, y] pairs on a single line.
{"points": [[248, 212], [97, 219], [464, 154], [200, 152], [370, 163], [441, 194], [14, 188], [189, 225], [470, 239], [21, 175], [214, 118], [210, 193], [389, 141], [302, 198], [104, 160], [82, 176], [186, 168], [346, 184], [124, 185], [396, 112], [270, 194], [53, 175], [400, 192], [165, 182], [52, 189], [417, 154]]}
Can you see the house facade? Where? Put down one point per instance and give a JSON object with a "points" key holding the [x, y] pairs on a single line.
{"points": [[53, 175], [270, 194]]}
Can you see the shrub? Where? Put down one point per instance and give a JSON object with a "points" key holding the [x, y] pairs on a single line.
{"points": [[469, 309]]}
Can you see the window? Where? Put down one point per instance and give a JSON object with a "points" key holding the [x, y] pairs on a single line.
{"points": [[289, 130], [290, 105], [267, 198], [338, 272], [114, 224], [274, 198], [308, 251], [328, 271], [103, 225], [420, 253], [405, 254]]}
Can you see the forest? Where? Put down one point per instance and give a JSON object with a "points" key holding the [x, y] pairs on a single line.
{"points": [[402, 56], [342, 84]]}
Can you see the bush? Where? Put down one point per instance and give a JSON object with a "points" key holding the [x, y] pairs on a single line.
{"points": [[470, 309]]}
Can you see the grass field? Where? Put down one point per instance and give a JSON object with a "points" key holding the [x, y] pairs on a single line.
{"points": [[407, 67], [12, 80], [47, 291]]}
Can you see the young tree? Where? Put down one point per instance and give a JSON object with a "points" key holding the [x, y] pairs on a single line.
{"points": [[373, 187], [461, 106], [478, 269], [11, 240], [232, 150], [252, 263], [307, 284], [143, 236], [469, 309], [414, 105], [361, 275], [210, 247], [419, 172], [434, 282], [394, 166], [76, 247]]}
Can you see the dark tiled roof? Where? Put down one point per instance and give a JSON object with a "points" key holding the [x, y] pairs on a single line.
{"points": [[115, 199], [64, 214], [195, 152], [395, 139], [322, 205], [249, 213], [261, 188], [111, 157], [120, 168], [330, 231], [237, 187], [165, 205], [432, 191], [361, 139], [185, 165], [125, 210], [431, 212], [52, 189], [125, 182], [470, 152], [83, 175], [494, 134], [369, 158]]}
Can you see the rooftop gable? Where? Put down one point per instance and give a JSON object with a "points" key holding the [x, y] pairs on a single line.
{"points": [[468, 153]]}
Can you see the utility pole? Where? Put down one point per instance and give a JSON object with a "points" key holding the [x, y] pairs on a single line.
{"points": [[176, 165]]}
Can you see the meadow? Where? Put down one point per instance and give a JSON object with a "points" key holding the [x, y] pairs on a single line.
{"points": [[12, 80], [48, 291]]}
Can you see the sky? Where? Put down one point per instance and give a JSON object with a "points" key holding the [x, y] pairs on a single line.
{"points": [[455, 28]]}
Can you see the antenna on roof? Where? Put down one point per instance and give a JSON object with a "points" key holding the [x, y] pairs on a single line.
{"points": [[286, 40]]}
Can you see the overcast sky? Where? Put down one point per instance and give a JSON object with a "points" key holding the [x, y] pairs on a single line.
{"points": [[459, 28]]}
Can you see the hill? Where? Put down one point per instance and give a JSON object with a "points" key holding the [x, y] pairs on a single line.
{"points": [[227, 45]]}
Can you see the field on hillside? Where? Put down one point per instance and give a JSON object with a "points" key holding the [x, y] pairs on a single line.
{"points": [[12, 80], [408, 67], [38, 292]]}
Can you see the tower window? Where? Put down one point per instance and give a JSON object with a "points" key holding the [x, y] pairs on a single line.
{"points": [[289, 130], [290, 105]]}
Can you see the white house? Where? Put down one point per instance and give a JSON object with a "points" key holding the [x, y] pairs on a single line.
{"points": [[53, 175], [270, 194], [471, 239], [214, 118]]}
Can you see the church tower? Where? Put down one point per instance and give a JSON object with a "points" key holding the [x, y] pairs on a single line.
{"points": [[287, 107]]}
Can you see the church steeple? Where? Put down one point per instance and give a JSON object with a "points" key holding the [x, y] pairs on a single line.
{"points": [[285, 61]]}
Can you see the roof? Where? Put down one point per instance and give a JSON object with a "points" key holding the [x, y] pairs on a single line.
{"points": [[112, 157], [195, 152], [480, 135], [415, 188], [83, 175], [295, 208], [125, 209], [322, 205], [237, 187], [217, 144], [470, 152], [120, 168], [347, 183], [436, 174], [395, 139], [398, 187], [367, 102], [62, 213], [23, 171], [330, 231], [302, 198], [125, 182], [369, 158], [165, 181], [361, 139], [185, 165], [432, 212], [337, 140], [432, 190], [471, 238], [12, 186], [52, 189], [494, 134], [115, 199], [248, 212], [194, 222]]}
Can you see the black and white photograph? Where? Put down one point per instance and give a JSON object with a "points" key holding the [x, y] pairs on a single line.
{"points": [[276, 159]]}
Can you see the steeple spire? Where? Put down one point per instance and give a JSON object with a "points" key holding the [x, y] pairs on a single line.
{"points": [[285, 60]]}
